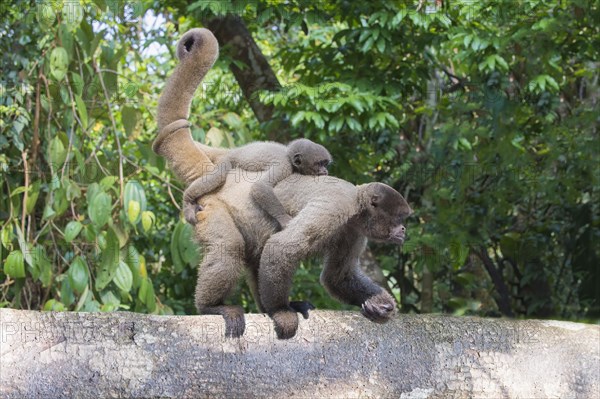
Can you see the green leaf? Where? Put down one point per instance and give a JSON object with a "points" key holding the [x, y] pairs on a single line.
{"points": [[133, 212], [134, 192], [56, 152], [465, 143], [467, 41], [82, 299], [18, 190], [130, 118], [297, 118], [336, 124], [108, 182], [188, 250], [78, 274], [501, 62], [59, 63], [73, 191], [356, 104], [551, 82], [146, 294], [14, 265], [175, 255], [7, 236], [109, 261], [99, 209], [368, 44], [66, 292], [381, 45], [72, 230], [54, 305], [134, 261], [34, 193], [147, 220], [81, 111], [123, 277]]}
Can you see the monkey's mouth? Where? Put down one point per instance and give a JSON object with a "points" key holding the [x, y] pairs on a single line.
{"points": [[397, 238], [322, 174]]}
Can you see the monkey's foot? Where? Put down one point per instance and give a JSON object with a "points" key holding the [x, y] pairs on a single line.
{"points": [[189, 212], [379, 308], [302, 307], [286, 323]]}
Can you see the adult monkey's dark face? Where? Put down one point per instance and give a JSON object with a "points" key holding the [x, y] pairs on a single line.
{"points": [[385, 213]]}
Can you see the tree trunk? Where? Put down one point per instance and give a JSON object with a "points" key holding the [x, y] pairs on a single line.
{"points": [[257, 75], [335, 354]]}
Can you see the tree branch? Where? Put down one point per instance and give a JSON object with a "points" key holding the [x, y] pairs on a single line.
{"points": [[335, 354]]}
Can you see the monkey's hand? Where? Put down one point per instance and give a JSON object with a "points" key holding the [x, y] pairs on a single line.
{"points": [[302, 307], [286, 323], [189, 212], [379, 308]]}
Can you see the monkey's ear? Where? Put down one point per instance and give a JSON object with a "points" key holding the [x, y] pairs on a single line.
{"points": [[297, 159], [375, 200]]}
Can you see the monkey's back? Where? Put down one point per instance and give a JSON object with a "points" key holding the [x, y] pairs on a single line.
{"points": [[325, 196], [259, 155], [327, 192]]}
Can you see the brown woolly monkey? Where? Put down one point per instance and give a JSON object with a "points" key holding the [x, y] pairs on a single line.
{"points": [[275, 160], [331, 218]]}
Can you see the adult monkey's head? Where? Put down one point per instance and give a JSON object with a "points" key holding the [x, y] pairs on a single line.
{"points": [[383, 215]]}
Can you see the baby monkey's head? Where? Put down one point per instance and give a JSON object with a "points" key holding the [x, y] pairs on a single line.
{"points": [[308, 157]]}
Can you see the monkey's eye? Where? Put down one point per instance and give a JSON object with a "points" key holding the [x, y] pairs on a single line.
{"points": [[324, 163]]}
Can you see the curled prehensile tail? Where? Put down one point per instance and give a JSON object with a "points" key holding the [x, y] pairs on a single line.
{"points": [[197, 51]]}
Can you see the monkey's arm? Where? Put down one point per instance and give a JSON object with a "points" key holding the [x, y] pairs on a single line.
{"points": [[208, 183], [264, 196], [344, 280]]}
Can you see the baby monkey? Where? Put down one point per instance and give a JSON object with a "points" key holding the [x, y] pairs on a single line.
{"points": [[278, 161]]}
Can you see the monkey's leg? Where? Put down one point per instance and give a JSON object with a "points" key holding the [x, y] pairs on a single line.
{"points": [[344, 280], [221, 268], [263, 194], [301, 307], [307, 233], [278, 262], [200, 187]]}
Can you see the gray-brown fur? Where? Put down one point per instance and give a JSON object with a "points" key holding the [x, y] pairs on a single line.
{"points": [[331, 218], [275, 160]]}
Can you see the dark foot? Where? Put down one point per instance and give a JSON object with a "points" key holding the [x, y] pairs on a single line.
{"points": [[379, 308], [302, 307], [189, 212]]}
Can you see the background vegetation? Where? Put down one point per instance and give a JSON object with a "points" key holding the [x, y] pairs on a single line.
{"points": [[483, 114]]}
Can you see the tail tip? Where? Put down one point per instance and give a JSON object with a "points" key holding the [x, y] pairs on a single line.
{"points": [[197, 40]]}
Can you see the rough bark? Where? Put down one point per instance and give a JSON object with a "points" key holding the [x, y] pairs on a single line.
{"points": [[335, 354]]}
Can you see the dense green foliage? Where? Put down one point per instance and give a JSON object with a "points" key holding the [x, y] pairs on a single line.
{"points": [[483, 114]]}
